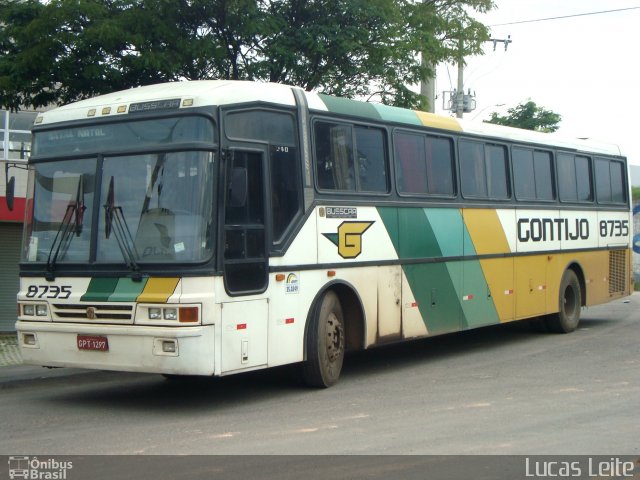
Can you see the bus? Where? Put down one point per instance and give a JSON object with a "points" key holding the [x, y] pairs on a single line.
{"points": [[217, 227]]}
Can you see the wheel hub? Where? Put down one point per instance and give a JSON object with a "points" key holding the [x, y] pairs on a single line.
{"points": [[335, 338]]}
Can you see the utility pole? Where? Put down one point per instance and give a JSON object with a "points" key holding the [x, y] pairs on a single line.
{"points": [[428, 85], [460, 89], [428, 88], [466, 103]]}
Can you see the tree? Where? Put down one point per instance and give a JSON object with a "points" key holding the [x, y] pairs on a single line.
{"points": [[529, 116], [65, 50]]}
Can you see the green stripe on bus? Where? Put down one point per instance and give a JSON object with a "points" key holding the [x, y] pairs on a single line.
{"points": [[479, 309], [99, 290], [417, 239], [435, 293], [452, 295], [127, 290], [448, 228], [395, 114], [432, 285], [350, 107]]}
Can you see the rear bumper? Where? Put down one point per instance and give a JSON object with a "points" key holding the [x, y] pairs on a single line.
{"points": [[132, 348]]}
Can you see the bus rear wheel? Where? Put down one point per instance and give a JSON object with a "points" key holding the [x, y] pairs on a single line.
{"points": [[570, 303], [325, 343]]}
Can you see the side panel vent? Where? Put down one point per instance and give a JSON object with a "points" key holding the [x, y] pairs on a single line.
{"points": [[617, 272]]}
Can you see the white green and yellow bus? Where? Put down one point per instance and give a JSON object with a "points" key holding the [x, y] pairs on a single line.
{"points": [[218, 227]]}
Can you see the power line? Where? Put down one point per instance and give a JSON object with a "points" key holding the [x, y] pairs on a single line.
{"points": [[565, 16]]}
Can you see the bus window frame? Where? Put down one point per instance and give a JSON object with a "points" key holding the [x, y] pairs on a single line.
{"points": [[454, 164], [125, 118], [488, 141], [554, 180], [625, 180], [188, 269], [274, 248], [574, 154], [352, 125]]}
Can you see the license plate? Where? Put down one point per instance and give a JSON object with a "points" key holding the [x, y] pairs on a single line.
{"points": [[92, 342]]}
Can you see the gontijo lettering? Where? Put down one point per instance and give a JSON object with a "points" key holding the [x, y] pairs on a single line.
{"points": [[547, 229]]}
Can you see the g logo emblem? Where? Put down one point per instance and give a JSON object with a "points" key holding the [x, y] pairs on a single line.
{"points": [[349, 238], [91, 313]]}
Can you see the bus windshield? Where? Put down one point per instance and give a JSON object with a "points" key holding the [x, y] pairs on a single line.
{"points": [[146, 208]]}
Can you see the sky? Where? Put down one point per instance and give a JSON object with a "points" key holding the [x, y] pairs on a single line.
{"points": [[586, 68]]}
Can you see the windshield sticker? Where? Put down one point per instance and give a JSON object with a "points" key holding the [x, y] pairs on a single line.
{"points": [[292, 285]]}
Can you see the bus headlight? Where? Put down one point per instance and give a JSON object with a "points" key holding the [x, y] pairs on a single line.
{"points": [[29, 310], [164, 315], [170, 313], [41, 310]]}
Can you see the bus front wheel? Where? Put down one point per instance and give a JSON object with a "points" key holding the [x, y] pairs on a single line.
{"points": [[325, 343], [570, 303]]}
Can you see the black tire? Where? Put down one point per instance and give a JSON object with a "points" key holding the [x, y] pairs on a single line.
{"points": [[325, 343], [570, 303]]}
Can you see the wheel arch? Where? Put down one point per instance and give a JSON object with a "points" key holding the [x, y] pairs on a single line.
{"points": [[352, 309]]}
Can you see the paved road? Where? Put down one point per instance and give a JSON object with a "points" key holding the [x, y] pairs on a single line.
{"points": [[498, 390]]}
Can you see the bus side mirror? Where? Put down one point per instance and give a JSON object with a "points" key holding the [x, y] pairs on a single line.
{"points": [[238, 187], [10, 189]]}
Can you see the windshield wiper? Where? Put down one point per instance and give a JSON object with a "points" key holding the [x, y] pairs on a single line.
{"points": [[64, 235], [114, 221]]}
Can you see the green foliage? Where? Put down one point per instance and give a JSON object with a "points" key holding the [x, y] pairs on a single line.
{"points": [[529, 116], [635, 193], [60, 51]]}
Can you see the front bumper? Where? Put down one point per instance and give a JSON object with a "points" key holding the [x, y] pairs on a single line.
{"points": [[132, 348]]}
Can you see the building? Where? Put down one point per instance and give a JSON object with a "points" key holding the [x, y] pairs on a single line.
{"points": [[15, 145]]}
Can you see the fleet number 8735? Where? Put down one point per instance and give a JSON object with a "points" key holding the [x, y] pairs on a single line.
{"points": [[614, 228], [49, 291]]}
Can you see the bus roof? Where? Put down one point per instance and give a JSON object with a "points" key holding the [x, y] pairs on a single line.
{"points": [[198, 93]]}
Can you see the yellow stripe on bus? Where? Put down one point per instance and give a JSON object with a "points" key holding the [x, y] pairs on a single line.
{"points": [[486, 231], [436, 121], [158, 290]]}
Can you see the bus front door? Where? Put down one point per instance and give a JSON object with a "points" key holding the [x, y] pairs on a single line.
{"points": [[245, 259], [245, 262]]}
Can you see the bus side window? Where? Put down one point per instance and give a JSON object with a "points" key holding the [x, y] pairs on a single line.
{"points": [[285, 188], [567, 178], [372, 160], [497, 177], [440, 165], [574, 178], [411, 171], [334, 156], [523, 173], [543, 174], [278, 130], [532, 174], [472, 169], [609, 181]]}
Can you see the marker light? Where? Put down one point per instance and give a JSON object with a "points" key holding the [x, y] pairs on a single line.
{"points": [[188, 314]]}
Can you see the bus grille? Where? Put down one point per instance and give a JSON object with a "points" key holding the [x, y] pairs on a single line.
{"points": [[99, 313], [617, 271]]}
